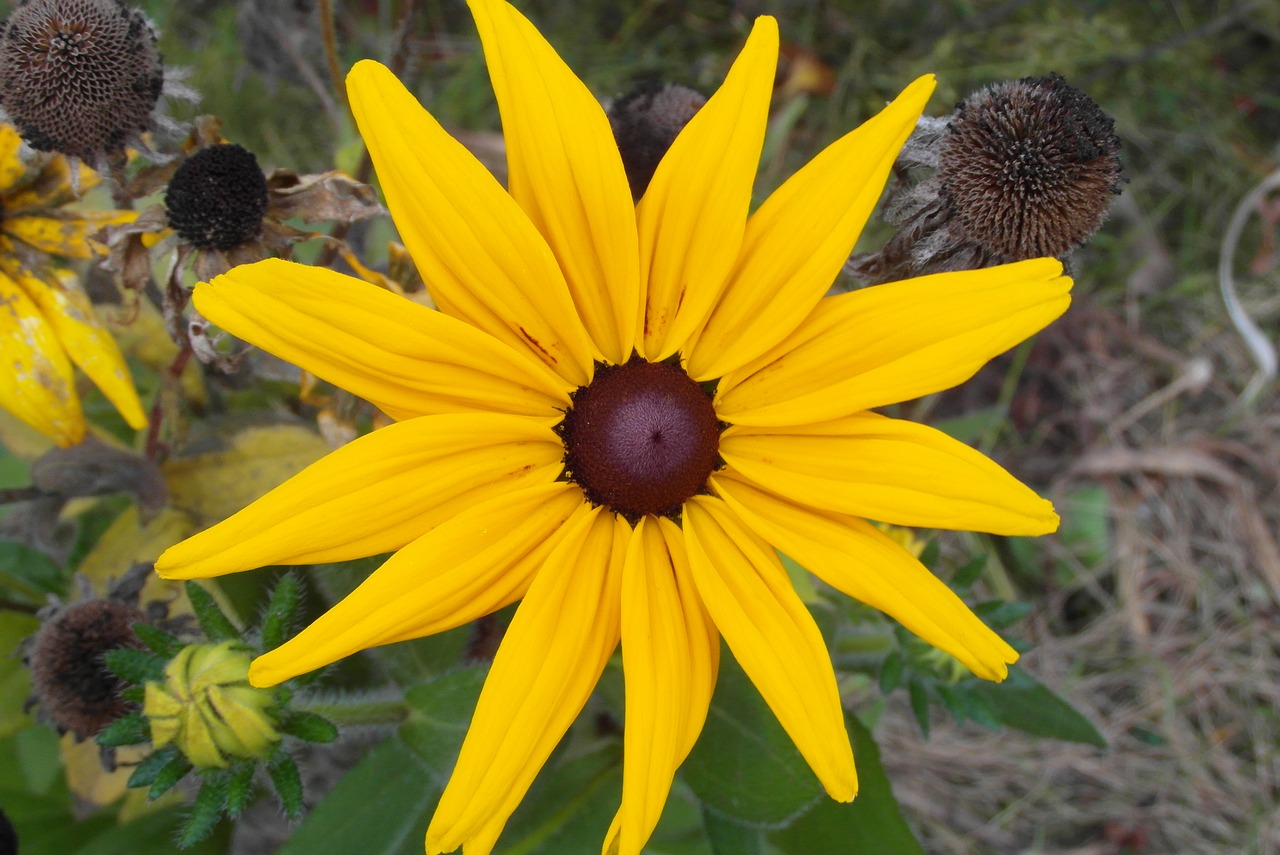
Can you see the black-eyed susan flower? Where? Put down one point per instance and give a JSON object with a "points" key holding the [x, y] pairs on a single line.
{"points": [[47, 323], [618, 416]]}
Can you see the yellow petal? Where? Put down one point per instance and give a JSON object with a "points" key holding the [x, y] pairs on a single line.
{"points": [[800, 237], [467, 567], [889, 470], [406, 359], [692, 217], [894, 342], [11, 166], [481, 257], [666, 656], [36, 384], [66, 235], [48, 184], [67, 309], [375, 494], [565, 171], [554, 651], [773, 637], [856, 558]]}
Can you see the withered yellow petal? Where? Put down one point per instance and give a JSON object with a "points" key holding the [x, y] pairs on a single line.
{"points": [[859, 560], [404, 358], [667, 639], [797, 241], [565, 172], [894, 342], [36, 384], [889, 470], [773, 637], [91, 347], [480, 255], [68, 235], [466, 567], [693, 215], [11, 166], [562, 635], [375, 494]]}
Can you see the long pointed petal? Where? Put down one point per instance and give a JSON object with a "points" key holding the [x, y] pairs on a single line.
{"points": [[37, 384], [889, 470], [375, 494], [406, 359], [800, 237], [565, 171], [554, 652], [856, 558], [465, 568], [693, 215], [773, 637], [481, 257], [70, 234], [11, 166], [67, 309], [893, 343], [667, 639]]}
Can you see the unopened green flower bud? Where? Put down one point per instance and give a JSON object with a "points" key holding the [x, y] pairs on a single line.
{"points": [[207, 708]]}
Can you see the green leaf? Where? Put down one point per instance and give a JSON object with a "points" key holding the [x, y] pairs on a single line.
{"points": [[999, 614], [281, 612], [969, 573], [439, 713], [920, 705], [161, 643], [206, 811], [29, 572], [287, 783], [135, 666], [309, 727], [929, 555], [730, 837], [239, 787], [869, 825], [571, 803], [1023, 703], [744, 766], [216, 625], [130, 730], [381, 807], [147, 770], [15, 680], [892, 671]]}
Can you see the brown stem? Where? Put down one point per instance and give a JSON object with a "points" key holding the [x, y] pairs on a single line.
{"points": [[173, 374], [331, 50], [8, 605], [19, 494]]}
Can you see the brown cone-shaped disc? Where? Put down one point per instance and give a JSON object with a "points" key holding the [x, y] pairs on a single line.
{"points": [[217, 198], [641, 438]]}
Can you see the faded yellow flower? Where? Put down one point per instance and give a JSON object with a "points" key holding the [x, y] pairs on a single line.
{"points": [[47, 323]]}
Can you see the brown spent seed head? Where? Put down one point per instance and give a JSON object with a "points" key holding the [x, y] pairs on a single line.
{"points": [[218, 197], [1028, 167], [80, 77], [646, 121], [68, 677]]}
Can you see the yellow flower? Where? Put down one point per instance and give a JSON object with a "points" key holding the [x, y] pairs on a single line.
{"points": [[46, 321], [535, 458]]}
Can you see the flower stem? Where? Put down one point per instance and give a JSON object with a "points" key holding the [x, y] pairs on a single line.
{"points": [[357, 711]]}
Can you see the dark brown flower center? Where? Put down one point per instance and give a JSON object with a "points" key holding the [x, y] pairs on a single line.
{"points": [[218, 197], [640, 438]]}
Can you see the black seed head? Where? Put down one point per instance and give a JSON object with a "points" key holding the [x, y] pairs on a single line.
{"points": [[217, 198], [640, 438], [1029, 167], [80, 77], [645, 123], [69, 679]]}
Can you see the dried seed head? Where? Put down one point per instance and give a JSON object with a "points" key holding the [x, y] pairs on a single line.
{"points": [[1022, 169], [68, 677], [217, 198], [645, 123], [80, 77], [1029, 167]]}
